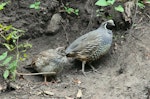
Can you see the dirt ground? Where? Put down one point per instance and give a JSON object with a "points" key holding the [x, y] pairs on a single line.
{"points": [[121, 74]]}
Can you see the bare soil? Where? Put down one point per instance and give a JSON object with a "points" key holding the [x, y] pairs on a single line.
{"points": [[121, 74]]}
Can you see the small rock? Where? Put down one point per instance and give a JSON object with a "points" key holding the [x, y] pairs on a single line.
{"points": [[2, 88], [14, 85], [38, 93], [3, 85], [79, 94], [54, 23], [48, 93], [66, 97]]}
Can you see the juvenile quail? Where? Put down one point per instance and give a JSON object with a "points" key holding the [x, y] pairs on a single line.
{"points": [[51, 60], [92, 45]]}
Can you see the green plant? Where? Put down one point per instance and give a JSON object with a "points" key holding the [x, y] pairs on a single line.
{"points": [[104, 3], [35, 5], [9, 64], [140, 4], [10, 36], [119, 8], [99, 12], [2, 5], [70, 10]]}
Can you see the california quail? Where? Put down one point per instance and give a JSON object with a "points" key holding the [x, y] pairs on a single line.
{"points": [[51, 60], [92, 45]]}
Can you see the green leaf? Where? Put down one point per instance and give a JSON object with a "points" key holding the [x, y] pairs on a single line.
{"points": [[9, 47], [65, 7], [76, 10], [6, 74], [14, 41], [6, 28], [37, 7], [14, 35], [13, 75], [70, 10], [37, 3], [3, 56], [141, 5], [119, 8], [101, 3], [9, 37], [25, 55], [32, 6], [22, 59], [2, 5], [12, 66], [110, 2], [26, 45], [7, 60]]}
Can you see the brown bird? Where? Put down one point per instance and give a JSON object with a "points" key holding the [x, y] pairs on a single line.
{"points": [[51, 61], [92, 45]]}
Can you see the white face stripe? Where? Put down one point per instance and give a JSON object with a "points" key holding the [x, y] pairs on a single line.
{"points": [[111, 22], [105, 23]]}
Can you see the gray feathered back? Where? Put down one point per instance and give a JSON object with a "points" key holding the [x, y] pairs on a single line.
{"points": [[93, 44]]}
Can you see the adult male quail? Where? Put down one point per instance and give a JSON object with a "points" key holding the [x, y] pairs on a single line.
{"points": [[92, 45], [51, 60]]}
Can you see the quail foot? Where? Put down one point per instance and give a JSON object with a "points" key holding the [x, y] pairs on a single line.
{"points": [[51, 60], [92, 45]]}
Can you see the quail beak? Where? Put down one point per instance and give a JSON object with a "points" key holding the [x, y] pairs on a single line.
{"points": [[113, 24]]}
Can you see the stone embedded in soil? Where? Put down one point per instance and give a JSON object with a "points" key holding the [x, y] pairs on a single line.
{"points": [[3, 85], [54, 24], [49, 93]]}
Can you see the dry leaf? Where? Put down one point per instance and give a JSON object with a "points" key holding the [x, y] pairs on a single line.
{"points": [[76, 81], [79, 94], [14, 85]]}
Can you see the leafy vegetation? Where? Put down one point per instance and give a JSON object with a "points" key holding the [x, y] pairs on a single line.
{"points": [[104, 3], [70, 10], [119, 8], [140, 4], [35, 5], [2, 5], [10, 36], [99, 11]]}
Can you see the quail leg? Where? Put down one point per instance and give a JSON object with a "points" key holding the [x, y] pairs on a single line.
{"points": [[92, 67], [83, 67]]}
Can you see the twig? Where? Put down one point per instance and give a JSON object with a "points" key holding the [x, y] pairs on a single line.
{"points": [[147, 15], [41, 73]]}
